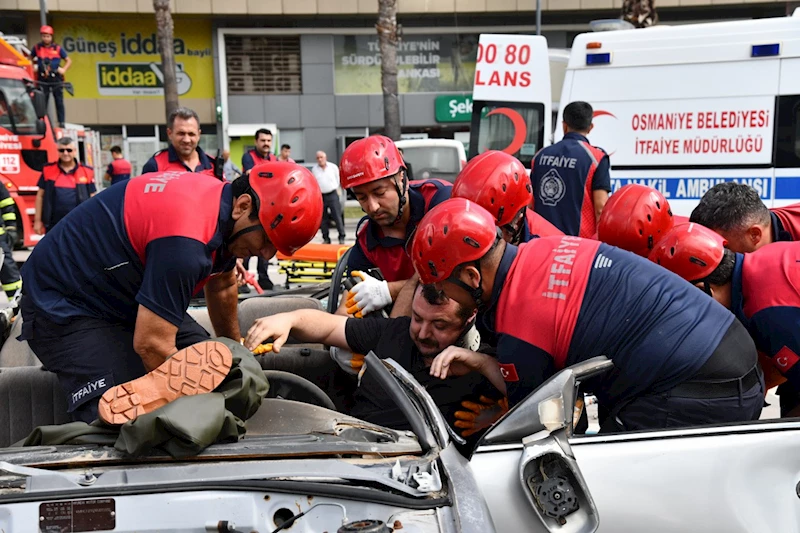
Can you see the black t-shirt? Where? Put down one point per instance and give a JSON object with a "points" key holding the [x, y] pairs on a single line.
{"points": [[389, 338]]}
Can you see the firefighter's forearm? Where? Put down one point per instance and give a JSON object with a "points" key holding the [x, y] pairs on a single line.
{"points": [[37, 217], [402, 303]]}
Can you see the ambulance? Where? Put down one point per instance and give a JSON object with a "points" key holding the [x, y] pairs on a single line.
{"points": [[683, 108], [515, 79]]}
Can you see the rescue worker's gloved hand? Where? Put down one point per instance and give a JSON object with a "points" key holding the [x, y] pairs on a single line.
{"points": [[479, 416], [368, 295], [472, 339], [348, 361], [262, 348]]}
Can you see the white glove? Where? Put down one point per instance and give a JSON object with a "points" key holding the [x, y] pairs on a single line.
{"points": [[368, 295], [347, 360], [472, 339]]}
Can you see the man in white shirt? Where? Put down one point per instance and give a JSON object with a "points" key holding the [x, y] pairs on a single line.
{"points": [[230, 170], [327, 175]]}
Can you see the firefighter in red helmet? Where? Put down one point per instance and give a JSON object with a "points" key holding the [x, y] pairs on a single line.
{"points": [[107, 290], [557, 301], [497, 181], [373, 169]]}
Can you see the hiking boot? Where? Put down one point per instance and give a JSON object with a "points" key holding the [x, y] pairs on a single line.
{"points": [[198, 369]]}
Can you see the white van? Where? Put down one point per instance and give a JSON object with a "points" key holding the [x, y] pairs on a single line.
{"points": [[434, 158], [683, 108]]}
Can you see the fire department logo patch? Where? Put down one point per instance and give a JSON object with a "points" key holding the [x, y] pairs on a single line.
{"points": [[552, 188]]}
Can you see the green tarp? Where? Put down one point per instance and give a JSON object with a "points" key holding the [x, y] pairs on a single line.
{"points": [[182, 428]]}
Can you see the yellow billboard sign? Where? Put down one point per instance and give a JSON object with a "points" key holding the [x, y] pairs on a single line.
{"points": [[119, 58]]}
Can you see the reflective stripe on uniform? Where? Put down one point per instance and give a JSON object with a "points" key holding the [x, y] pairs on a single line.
{"points": [[7, 202], [9, 216], [589, 151], [14, 286]]}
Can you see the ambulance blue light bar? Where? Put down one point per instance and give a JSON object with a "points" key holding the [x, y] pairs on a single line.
{"points": [[766, 50], [598, 59]]}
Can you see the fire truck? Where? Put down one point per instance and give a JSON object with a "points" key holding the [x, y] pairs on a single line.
{"points": [[27, 137]]}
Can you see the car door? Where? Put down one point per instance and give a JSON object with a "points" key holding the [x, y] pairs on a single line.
{"points": [[733, 479], [524, 465]]}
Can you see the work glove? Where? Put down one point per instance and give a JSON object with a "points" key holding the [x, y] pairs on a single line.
{"points": [[476, 417], [348, 361], [472, 339], [367, 296], [11, 231], [261, 348]]}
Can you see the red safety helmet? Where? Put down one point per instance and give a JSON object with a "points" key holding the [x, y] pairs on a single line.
{"points": [[46, 29], [370, 159], [454, 232], [290, 203], [496, 181], [634, 219], [690, 250]]}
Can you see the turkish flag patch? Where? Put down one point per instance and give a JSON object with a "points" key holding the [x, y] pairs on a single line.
{"points": [[785, 359], [509, 372]]}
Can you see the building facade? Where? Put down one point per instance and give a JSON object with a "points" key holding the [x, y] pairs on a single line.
{"points": [[309, 69]]}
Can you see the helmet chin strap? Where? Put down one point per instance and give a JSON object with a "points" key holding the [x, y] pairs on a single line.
{"points": [[516, 233], [401, 197], [241, 232], [475, 293]]}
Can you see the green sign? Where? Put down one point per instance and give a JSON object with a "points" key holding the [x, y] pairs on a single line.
{"points": [[453, 108]]}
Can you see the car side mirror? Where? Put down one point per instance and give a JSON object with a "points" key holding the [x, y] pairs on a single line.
{"points": [[548, 476], [554, 486], [41, 126], [548, 408], [39, 103]]}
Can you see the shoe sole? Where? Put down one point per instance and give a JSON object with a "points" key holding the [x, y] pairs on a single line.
{"points": [[198, 369]]}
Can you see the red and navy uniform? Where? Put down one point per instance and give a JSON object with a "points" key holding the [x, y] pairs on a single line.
{"points": [[252, 158], [592, 299], [765, 296], [537, 226], [64, 191], [785, 223], [119, 170], [373, 249], [564, 176], [154, 242], [168, 160], [48, 59]]}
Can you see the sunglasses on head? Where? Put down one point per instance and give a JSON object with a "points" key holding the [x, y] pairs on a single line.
{"points": [[67, 150]]}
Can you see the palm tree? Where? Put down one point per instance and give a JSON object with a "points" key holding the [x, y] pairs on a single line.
{"points": [[640, 13], [387, 38], [165, 43]]}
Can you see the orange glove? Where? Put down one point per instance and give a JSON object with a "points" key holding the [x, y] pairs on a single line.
{"points": [[348, 361], [261, 348], [479, 416]]}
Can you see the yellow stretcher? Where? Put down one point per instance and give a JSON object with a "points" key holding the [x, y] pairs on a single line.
{"points": [[313, 263]]}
